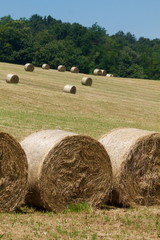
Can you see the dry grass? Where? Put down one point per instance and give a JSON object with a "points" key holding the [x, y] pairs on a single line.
{"points": [[38, 102], [119, 224]]}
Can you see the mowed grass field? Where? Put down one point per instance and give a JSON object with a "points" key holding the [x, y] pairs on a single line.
{"points": [[38, 102]]}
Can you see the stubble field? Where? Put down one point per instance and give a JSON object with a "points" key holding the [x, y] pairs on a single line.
{"points": [[38, 102]]}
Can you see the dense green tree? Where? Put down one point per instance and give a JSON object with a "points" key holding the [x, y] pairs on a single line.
{"points": [[45, 39]]}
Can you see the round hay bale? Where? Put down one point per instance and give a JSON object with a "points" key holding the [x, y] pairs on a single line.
{"points": [[109, 75], [69, 89], [74, 70], [97, 72], [66, 168], [13, 173], [12, 78], [46, 66], [135, 159], [61, 68], [104, 72], [29, 67], [86, 81]]}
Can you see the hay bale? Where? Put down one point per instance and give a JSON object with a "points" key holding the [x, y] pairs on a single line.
{"points": [[69, 89], [97, 72], [109, 75], [74, 70], [104, 72], [86, 81], [61, 68], [29, 67], [13, 173], [135, 158], [66, 168], [46, 66], [12, 78]]}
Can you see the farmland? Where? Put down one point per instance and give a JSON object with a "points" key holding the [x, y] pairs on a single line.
{"points": [[38, 102]]}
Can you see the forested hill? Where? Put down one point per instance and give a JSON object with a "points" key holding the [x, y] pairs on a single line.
{"points": [[47, 40]]}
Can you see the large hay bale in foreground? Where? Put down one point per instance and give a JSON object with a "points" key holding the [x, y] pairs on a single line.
{"points": [[61, 68], [66, 168], [13, 173], [46, 66], [97, 72], [87, 81], [74, 70], [69, 89], [12, 78], [29, 67], [135, 158]]}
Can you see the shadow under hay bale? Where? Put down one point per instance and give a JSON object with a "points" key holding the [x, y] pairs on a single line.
{"points": [[66, 168], [13, 173], [61, 68], [135, 158], [29, 67], [97, 72], [87, 81], [12, 78], [69, 89], [46, 66], [74, 70]]}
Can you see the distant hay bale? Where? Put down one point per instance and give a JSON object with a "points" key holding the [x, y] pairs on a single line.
{"points": [[29, 67], [109, 75], [12, 78], [74, 70], [86, 81], [13, 173], [69, 89], [135, 158], [61, 68], [104, 72], [46, 66], [66, 168], [97, 72]]}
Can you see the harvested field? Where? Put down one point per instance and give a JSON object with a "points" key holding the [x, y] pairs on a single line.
{"points": [[39, 103]]}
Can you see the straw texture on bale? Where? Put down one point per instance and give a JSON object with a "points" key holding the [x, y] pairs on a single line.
{"points": [[69, 89], [13, 173], [135, 159], [74, 70], [61, 68], [104, 72], [46, 66], [12, 78], [66, 168], [29, 67], [86, 81], [97, 72]]}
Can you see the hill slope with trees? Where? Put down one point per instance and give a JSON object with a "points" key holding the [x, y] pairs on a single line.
{"points": [[47, 40]]}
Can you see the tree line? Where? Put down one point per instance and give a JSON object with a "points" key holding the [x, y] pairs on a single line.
{"points": [[46, 40]]}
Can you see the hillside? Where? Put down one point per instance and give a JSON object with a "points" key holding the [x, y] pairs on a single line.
{"points": [[39, 38], [38, 102]]}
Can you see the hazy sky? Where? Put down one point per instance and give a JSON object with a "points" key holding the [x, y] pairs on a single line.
{"points": [[139, 17]]}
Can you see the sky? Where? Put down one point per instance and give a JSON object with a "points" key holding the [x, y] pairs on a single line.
{"points": [[139, 17]]}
